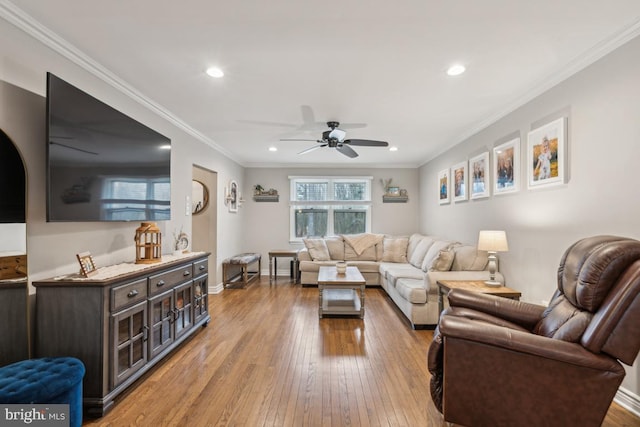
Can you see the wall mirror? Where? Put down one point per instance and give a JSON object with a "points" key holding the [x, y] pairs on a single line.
{"points": [[14, 292], [199, 197]]}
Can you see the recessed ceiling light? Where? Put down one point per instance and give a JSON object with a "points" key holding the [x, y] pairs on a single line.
{"points": [[273, 148], [393, 148], [215, 72], [456, 70]]}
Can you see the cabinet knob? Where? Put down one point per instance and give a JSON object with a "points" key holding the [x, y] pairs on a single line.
{"points": [[160, 283], [186, 273], [132, 293], [202, 267]]}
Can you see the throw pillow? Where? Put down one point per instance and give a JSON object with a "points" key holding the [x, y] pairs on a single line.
{"points": [[317, 248], [433, 252], [335, 244], [394, 249], [443, 261]]}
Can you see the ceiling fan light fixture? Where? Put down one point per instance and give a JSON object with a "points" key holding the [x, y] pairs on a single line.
{"points": [[338, 134], [215, 72], [456, 70]]}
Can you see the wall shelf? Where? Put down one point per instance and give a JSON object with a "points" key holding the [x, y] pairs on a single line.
{"points": [[267, 198], [395, 199]]}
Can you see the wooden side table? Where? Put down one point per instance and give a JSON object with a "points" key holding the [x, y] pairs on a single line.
{"points": [[273, 263], [444, 286]]}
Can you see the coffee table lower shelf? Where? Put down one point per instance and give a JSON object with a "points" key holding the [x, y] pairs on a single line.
{"points": [[341, 302]]}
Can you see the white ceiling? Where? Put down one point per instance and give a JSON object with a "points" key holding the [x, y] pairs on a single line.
{"points": [[377, 62]]}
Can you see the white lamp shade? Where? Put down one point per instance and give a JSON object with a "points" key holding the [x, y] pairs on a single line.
{"points": [[493, 241]]}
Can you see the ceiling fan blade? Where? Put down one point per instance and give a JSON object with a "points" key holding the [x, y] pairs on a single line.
{"points": [[366, 142], [315, 147], [347, 151], [299, 139]]}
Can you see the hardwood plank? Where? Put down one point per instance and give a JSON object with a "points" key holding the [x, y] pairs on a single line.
{"points": [[266, 359]]}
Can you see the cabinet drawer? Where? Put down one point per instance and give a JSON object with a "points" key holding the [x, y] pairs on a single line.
{"points": [[200, 267], [124, 295], [162, 281]]}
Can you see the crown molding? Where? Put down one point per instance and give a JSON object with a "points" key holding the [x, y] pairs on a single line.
{"points": [[25, 22], [573, 66]]}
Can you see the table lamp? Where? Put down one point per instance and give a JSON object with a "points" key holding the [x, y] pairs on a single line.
{"points": [[492, 241]]}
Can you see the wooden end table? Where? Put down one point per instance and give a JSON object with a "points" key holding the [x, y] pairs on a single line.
{"points": [[444, 286], [273, 263], [337, 292]]}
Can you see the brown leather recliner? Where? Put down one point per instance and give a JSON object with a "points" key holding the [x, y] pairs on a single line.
{"points": [[500, 362]]}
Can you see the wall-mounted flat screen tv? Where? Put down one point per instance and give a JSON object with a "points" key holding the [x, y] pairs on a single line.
{"points": [[101, 164]]}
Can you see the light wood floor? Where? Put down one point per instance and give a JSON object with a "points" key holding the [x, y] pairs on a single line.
{"points": [[266, 359]]}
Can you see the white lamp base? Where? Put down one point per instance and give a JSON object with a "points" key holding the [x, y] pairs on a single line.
{"points": [[493, 283]]}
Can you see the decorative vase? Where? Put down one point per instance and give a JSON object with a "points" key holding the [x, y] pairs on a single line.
{"points": [[341, 267]]}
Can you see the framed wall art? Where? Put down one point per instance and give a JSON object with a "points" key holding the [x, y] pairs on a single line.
{"points": [[546, 161], [479, 176], [443, 186], [459, 177], [506, 167], [232, 196]]}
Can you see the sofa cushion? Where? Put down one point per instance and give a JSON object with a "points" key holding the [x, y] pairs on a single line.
{"points": [[394, 249], [335, 244], [414, 239], [420, 251], [469, 258], [317, 249], [412, 290], [431, 257], [394, 271]]}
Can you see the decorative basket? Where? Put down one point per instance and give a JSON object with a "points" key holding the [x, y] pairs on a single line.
{"points": [[148, 243]]}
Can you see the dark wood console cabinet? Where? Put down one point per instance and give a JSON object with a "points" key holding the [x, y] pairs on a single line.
{"points": [[121, 326]]}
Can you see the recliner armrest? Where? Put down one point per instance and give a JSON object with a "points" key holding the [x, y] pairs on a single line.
{"points": [[525, 342], [521, 313]]}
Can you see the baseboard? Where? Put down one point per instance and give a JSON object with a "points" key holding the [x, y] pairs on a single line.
{"points": [[628, 400], [216, 289]]}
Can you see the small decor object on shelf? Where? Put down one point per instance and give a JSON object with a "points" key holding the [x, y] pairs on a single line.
{"points": [[258, 190], [148, 243], [87, 266], [341, 267], [180, 243]]}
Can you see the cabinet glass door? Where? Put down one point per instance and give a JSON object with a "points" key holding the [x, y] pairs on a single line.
{"points": [[162, 316], [200, 302], [129, 341], [184, 308]]}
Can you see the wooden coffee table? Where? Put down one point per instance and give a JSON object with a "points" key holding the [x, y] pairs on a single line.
{"points": [[444, 286], [337, 292]]}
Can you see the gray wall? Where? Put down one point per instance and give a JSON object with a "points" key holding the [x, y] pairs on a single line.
{"points": [[52, 247], [602, 107], [267, 224]]}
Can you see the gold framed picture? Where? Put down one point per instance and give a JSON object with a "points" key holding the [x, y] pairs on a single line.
{"points": [[87, 266]]}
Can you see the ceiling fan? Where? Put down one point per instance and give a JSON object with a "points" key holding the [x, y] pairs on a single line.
{"points": [[335, 138]]}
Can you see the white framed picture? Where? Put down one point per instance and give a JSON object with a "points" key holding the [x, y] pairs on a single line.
{"points": [[459, 177], [479, 176], [443, 186], [546, 157], [506, 167]]}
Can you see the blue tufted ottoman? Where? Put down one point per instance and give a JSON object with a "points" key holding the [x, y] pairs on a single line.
{"points": [[47, 380]]}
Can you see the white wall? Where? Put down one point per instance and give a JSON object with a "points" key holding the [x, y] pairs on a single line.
{"points": [[267, 224], [602, 107], [51, 247]]}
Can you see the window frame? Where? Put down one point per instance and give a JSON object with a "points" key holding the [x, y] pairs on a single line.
{"points": [[330, 204]]}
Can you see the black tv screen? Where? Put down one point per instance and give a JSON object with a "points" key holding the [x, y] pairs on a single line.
{"points": [[101, 164]]}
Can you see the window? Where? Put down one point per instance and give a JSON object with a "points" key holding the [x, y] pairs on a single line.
{"points": [[136, 199], [329, 206]]}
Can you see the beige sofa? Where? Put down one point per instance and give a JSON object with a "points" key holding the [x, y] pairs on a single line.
{"points": [[407, 268]]}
